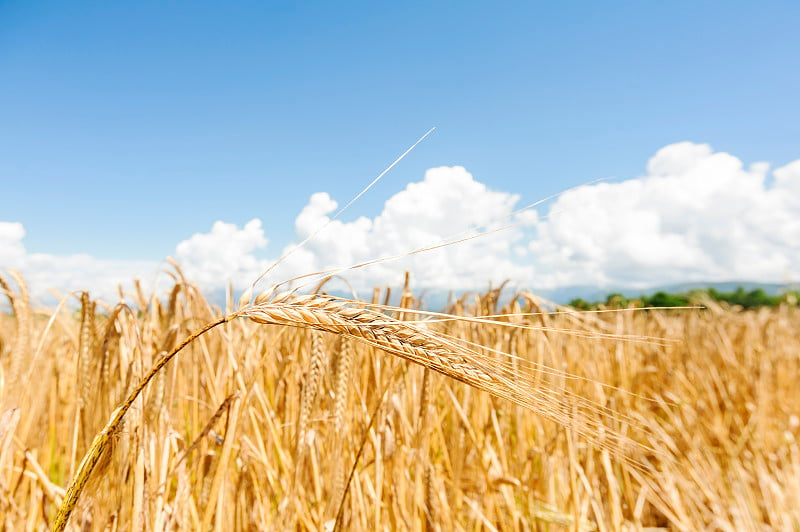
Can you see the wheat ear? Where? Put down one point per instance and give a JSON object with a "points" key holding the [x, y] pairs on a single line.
{"points": [[20, 304], [342, 372], [438, 353]]}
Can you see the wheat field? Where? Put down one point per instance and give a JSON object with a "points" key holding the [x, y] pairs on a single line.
{"points": [[315, 413]]}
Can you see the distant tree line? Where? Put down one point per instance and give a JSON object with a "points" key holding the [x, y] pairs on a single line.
{"points": [[740, 297]]}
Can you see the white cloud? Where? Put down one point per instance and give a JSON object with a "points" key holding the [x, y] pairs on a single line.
{"points": [[448, 202], [226, 253], [12, 252], [44, 272], [697, 215]]}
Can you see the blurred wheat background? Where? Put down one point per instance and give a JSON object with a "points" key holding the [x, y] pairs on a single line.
{"points": [[258, 427]]}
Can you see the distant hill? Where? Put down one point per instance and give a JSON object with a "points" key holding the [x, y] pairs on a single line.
{"points": [[567, 294], [562, 296], [438, 300]]}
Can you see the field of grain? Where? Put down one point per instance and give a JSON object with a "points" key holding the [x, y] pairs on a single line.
{"points": [[522, 420]]}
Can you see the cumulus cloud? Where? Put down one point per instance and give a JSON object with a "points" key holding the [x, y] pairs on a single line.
{"points": [[225, 254], [695, 215], [448, 203]]}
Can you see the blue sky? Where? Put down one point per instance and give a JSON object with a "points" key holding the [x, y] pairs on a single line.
{"points": [[126, 128]]}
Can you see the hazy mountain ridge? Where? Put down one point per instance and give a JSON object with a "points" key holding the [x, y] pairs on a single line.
{"points": [[564, 295]]}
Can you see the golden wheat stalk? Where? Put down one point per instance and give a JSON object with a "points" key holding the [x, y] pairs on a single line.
{"points": [[409, 341], [101, 440]]}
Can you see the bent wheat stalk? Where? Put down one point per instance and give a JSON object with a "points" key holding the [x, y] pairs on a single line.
{"points": [[102, 439], [412, 342]]}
